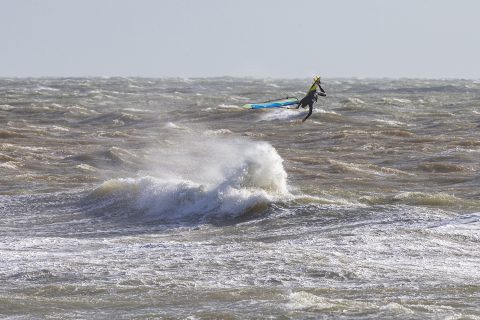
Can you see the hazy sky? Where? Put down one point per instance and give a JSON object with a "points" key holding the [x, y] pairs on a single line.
{"points": [[260, 38]]}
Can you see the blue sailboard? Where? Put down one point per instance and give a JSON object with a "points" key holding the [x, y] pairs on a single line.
{"points": [[279, 103]]}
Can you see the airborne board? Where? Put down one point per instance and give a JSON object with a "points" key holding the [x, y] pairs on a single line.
{"points": [[280, 103]]}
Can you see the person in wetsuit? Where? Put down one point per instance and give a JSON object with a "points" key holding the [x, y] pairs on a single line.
{"points": [[311, 97]]}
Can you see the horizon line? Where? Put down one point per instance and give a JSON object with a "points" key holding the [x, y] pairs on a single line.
{"points": [[237, 77]]}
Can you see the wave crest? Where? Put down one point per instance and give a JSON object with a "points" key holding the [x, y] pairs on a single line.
{"points": [[244, 180]]}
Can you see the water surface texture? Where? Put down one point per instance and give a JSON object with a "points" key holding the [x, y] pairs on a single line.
{"points": [[163, 198]]}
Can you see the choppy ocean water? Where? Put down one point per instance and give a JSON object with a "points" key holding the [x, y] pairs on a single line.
{"points": [[163, 198]]}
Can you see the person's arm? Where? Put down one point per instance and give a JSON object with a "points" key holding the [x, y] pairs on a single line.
{"points": [[323, 94]]}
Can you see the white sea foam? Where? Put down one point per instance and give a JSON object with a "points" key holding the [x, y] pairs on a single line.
{"points": [[171, 125], [218, 178], [218, 132], [137, 110], [6, 107], [85, 167], [304, 300], [307, 301], [355, 101], [392, 123], [7, 146], [9, 165], [396, 101], [282, 114], [229, 106], [60, 128], [43, 88]]}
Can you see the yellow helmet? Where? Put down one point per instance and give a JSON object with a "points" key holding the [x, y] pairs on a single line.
{"points": [[316, 78]]}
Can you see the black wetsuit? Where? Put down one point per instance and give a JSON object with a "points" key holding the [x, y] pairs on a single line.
{"points": [[311, 98]]}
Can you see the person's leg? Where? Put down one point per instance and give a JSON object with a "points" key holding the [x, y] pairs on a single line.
{"points": [[310, 109], [301, 103]]}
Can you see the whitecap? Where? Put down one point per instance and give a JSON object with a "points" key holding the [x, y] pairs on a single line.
{"points": [[171, 125], [218, 132], [392, 123], [221, 179], [9, 165], [6, 107], [60, 128]]}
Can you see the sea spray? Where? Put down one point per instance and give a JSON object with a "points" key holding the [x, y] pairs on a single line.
{"points": [[200, 179]]}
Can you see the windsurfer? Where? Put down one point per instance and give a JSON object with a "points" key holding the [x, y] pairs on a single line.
{"points": [[311, 97]]}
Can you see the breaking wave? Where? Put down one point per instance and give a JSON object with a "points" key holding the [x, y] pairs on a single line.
{"points": [[218, 179]]}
